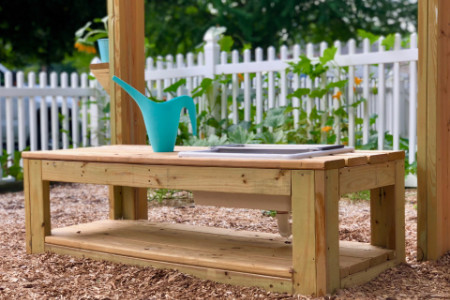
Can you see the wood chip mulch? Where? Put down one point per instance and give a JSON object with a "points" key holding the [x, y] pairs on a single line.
{"points": [[52, 276]]}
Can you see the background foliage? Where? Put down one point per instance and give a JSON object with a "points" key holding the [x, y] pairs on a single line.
{"points": [[41, 33]]}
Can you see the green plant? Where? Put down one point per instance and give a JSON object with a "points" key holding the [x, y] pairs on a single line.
{"points": [[86, 36], [14, 169]]}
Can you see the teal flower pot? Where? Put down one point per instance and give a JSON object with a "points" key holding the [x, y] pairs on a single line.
{"points": [[103, 49], [161, 118]]}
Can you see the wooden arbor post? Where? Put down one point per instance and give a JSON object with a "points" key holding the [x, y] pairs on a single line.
{"points": [[127, 61], [433, 156]]}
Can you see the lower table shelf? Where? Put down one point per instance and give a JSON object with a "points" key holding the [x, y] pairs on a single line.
{"points": [[239, 257]]}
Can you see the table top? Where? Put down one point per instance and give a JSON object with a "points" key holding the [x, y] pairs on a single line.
{"points": [[143, 154]]}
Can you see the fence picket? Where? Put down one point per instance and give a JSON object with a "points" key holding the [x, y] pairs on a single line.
{"points": [[295, 86], [32, 114], [259, 90], [351, 96], [283, 78], [75, 115], [84, 112], [381, 99], [365, 82], [54, 113], [9, 119], [396, 98], [235, 86], [336, 98], [412, 103], [247, 86], [65, 112], [21, 112], [44, 113], [270, 78]]}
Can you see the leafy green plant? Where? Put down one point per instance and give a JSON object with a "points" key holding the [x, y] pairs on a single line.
{"points": [[86, 36], [14, 169]]}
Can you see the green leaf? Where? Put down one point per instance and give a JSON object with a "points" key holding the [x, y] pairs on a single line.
{"points": [[300, 92], [338, 84], [225, 43], [318, 93], [328, 55], [174, 87], [365, 34], [389, 41]]}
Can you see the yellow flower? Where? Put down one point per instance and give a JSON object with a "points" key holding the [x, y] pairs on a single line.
{"points": [[85, 48], [240, 77], [326, 128], [358, 81], [337, 95]]}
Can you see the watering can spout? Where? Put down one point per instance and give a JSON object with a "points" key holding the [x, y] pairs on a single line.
{"points": [[161, 119], [135, 94]]}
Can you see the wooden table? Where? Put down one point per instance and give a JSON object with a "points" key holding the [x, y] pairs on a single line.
{"points": [[314, 261]]}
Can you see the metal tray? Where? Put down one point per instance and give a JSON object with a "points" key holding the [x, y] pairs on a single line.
{"points": [[267, 151]]}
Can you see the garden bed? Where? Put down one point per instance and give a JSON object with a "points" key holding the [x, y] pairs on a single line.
{"points": [[25, 276]]}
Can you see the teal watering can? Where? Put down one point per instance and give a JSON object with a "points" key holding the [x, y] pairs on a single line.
{"points": [[161, 118]]}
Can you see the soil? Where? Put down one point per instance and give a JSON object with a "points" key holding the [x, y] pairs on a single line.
{"points": [[52, 276]]}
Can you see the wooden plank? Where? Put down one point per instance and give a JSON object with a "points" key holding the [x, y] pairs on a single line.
{"points": [[392, 154], [115, 202], [434, 132], [353, 159], [127, 61], [40, 206], [239, 180], [399, 211], [186, 247], [374, 157], [367, 275], [327, 231], [270, 283], [351, 265], [422, 131], [101, 74], [26, 192], [366, 177], [376, 255], [303, 233], [443, 129], [237, 200], [141, 154]]}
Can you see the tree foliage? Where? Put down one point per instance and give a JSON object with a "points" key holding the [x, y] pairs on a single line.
{"points": [[266, 23], [42, 32]]}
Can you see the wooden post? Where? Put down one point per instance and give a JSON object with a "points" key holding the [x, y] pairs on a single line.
{"points": [[37, 207], [127, 61], [315, 228], [433, 132]]}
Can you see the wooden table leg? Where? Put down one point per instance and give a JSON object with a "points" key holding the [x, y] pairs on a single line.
{"points": [[37, 206], [127, 203], [387, 214], [315, 227]]}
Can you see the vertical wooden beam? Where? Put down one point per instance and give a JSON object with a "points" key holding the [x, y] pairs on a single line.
{"points": [[127, 61], [387, 214], [433, 161], [38, 199], [327, 231], [26, 192], [315, 230], [303, 233]]}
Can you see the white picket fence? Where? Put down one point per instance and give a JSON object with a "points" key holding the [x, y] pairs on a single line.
{"points": [[50, 114], [393, 73], [62, 115]]}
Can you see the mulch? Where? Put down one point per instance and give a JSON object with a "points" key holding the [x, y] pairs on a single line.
{"points": [[52, 276]]}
